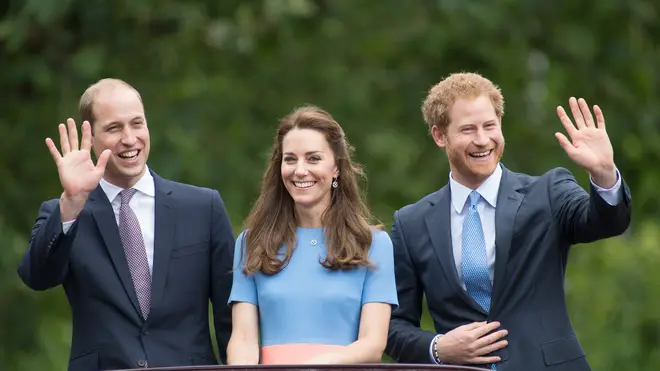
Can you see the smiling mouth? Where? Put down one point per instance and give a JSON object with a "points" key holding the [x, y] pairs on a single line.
{"points": [[482, 154], [303, 185], [129, 155]]}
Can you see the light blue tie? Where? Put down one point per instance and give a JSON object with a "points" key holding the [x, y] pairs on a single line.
{"points": [[474, 263]]}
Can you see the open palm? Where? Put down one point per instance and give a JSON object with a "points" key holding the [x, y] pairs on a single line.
{"points": [[590, 146], [78, 173]]}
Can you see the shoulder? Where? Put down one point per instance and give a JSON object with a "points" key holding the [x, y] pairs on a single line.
{"points": [[188, 194], [552, 176], [415, 211], [380, 243]]}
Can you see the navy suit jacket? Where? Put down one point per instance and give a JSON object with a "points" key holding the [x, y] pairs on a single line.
{"points": [[193, 255], [537, 219]]}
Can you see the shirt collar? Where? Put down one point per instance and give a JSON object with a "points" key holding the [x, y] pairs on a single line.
{"points": [[488, 190], [145, 185]]}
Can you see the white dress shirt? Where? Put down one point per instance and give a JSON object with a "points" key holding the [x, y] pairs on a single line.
{"points": [[143, 205], [486, 207]]}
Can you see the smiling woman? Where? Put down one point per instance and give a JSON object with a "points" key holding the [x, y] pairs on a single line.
{"points": [[311, 275]]}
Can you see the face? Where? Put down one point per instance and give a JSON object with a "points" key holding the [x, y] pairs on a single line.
{"points": [[308, 168], [473, 140], [120, 125]]}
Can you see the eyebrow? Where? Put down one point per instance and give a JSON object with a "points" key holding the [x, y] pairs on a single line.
{"points": [[119, 122], [307, 153]]}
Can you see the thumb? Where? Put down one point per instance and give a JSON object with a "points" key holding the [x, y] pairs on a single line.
{"points": [[565, 143], [103, 160]]}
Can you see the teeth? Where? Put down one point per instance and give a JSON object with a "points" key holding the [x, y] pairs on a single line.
{"points": [[480, 154], [303, 184], [128, 154]]}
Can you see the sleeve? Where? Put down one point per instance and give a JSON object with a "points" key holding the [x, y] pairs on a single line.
{"points": [[222, 249], [612, 196], [380, 284], [244, 287], [407, 342], [586, 217], [46, 262]]}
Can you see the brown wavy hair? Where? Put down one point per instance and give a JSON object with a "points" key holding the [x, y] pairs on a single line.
{"points": [[272, 221]]}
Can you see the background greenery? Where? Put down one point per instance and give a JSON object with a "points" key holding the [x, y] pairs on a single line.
{"points": [[216, 76]]}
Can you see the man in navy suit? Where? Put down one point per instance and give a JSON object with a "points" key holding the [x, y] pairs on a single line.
{"points": [[139, 256], [489, 250]]}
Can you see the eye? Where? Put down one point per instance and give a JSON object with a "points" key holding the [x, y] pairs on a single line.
{"points": [[289, 159], [314, 159]]}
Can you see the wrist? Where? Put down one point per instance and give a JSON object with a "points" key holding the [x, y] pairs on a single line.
{"points": [[71, 206], [605, 177], [434, 350]]}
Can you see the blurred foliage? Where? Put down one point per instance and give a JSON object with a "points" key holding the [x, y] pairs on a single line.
{"points": [[216, 76]]}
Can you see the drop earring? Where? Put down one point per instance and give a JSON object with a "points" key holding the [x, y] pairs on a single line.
{"points": [[334, 183]]}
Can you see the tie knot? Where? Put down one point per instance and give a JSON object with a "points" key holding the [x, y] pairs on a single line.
{"points": [[474, 198], [126, 195]]}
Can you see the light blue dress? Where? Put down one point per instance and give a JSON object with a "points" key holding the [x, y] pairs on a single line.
{"points": [[309, 305]]}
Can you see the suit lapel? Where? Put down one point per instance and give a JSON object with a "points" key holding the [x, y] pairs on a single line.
{"points": [[106, 222], [163, 237], [508, 202], [438, 223]]}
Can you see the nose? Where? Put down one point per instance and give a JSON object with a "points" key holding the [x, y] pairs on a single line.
{"points": [[481, 138], [128, 137], [301, 169]]}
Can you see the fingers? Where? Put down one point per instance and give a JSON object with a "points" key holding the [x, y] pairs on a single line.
{"points": [[586, 113], [577, 114], [492, 348], [565, 143], [103, 160], [64, 139], [485, 329], [473, 325], [566, 121], [53, 151], [600, 118], [73, 134], [489, 340], [86, 143], [482, 360]]}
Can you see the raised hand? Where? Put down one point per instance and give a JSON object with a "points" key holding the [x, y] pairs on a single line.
{"points": [[78, 174], [589, 147]]}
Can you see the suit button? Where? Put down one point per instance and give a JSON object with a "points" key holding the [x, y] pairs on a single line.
{"points": [[145, 332], [142, 363]]}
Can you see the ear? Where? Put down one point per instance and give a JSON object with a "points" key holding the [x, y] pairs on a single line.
{"points": [[439, 136], [335, 174]]}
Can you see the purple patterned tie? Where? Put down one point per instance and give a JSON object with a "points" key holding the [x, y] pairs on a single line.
{"points": [[136, 254]]}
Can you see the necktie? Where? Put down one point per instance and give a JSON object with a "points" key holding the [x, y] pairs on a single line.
{"points": [[136, 254], [474, 263]]}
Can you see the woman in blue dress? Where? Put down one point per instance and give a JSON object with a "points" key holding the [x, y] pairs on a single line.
{"points": [[313, 281]]}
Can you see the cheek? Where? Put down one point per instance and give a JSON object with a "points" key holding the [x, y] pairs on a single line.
{"points": [[286, 171]]}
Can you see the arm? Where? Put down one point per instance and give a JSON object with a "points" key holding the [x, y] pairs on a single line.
{"points": [[372, 338], [222, 255], [606, 212], [407, 342], [45, 264], [243, 346], [587, 217]]}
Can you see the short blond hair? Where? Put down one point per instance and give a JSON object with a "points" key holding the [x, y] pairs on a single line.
{"points": [[441, 97], [86, 104]]}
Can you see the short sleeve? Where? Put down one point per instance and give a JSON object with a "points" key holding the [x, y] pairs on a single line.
{"points": [[244, 288], [380, 283]]}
